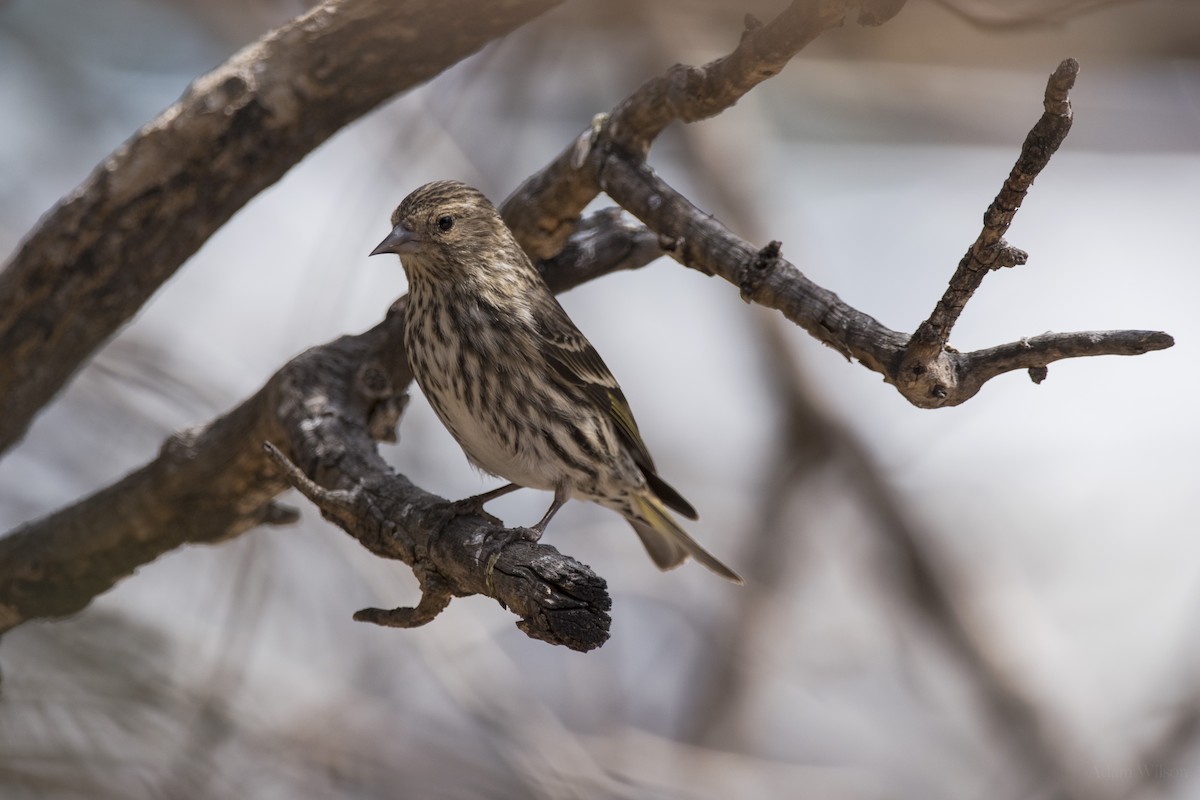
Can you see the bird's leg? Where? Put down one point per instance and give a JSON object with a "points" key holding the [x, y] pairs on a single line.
{"points": [[560, 497], [496, 542], [475, 503]]}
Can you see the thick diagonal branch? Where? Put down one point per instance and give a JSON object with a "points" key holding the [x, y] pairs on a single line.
{"points": [[96, 257], [324, 410]]}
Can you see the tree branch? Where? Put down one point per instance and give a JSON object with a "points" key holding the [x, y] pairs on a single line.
{"points": [[544, 210], [689, 94], [606, 241], [323, 411], [698, 240], [610, 157], [1036, 352], [98, 255], [990, 251]]}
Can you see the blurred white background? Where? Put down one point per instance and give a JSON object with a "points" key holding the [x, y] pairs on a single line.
{"points": [[1061, 516]]}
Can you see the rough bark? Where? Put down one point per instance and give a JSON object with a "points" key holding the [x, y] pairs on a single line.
{"points": [[324, 410]]}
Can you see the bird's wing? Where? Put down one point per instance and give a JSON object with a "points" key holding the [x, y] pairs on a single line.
{"points": [[572, 356]]}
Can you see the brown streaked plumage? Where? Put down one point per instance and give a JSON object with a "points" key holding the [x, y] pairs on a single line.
{"points": [[514, 381]]}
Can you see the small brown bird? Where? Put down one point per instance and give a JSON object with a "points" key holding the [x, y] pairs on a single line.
{"points": [[514, 381]]}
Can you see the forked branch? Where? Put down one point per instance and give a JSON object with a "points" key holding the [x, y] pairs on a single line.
{"points": [[924, 368]]}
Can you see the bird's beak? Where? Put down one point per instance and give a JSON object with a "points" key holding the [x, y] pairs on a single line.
{"points": [[400, 241]]}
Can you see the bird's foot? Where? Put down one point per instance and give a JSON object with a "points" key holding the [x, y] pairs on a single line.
{"points": [[496, 541], [500, 539]]}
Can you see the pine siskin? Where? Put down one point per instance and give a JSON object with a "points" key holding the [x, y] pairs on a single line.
{"points": [[512, 378]]}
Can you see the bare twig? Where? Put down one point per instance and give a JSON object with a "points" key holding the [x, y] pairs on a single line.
{"points": [[544, 209], [698, 240], [923, 368], [689, 94], [1036, 352], [206, 485], [990, 251]]}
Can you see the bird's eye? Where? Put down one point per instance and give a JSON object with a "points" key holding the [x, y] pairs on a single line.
{"points": [[445, 222]]}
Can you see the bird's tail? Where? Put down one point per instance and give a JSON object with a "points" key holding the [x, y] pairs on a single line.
{"points": [[668, 544]]}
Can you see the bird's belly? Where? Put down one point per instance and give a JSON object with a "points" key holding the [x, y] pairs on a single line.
{"points": [[494, 444], [480, 380]]}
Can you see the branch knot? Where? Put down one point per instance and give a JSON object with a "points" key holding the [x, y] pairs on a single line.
{"points": [[755, 271], [1002, 255]]}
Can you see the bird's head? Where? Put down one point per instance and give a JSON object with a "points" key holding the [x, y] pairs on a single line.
{"points": [[446, 226]]}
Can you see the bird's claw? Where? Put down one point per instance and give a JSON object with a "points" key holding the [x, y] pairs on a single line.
{"points": [[495, 542], [530, 534]]}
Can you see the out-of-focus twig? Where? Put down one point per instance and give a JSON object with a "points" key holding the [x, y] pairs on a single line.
{"points": [[544, 209]]}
